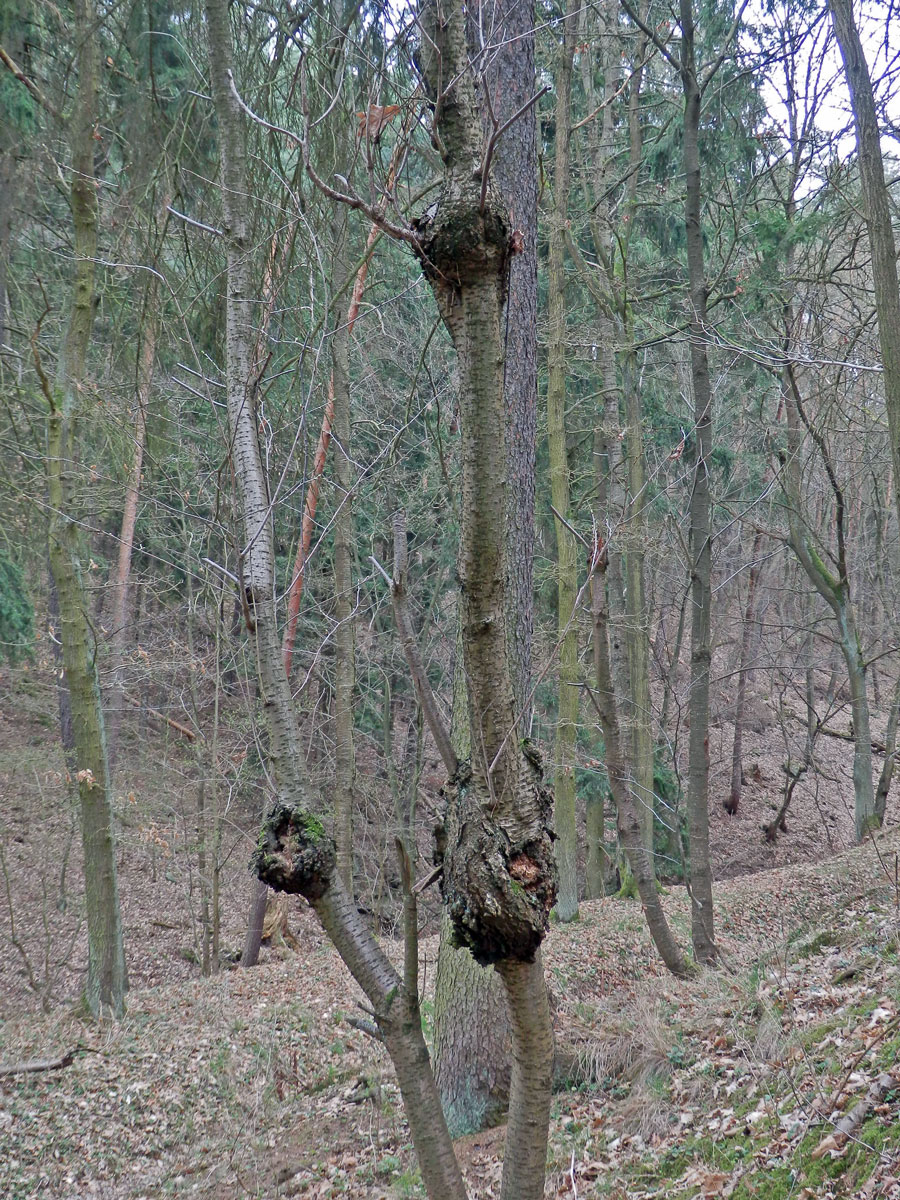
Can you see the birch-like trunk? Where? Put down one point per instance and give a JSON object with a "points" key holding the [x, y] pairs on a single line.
{"points": [[295, 853]]}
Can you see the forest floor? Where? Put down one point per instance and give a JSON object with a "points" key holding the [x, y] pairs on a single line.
{"points": [[254, 1084]]}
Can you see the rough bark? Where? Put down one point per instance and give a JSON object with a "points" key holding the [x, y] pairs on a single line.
{"points": [[107, 980], [295, 853], [702, 915], [472, 1032], [890, 757], [566, 563], [498, 868], [506, 38], [477, 1027]]}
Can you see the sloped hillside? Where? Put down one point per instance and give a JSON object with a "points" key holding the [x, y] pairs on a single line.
{"points": [[776, 1077]]}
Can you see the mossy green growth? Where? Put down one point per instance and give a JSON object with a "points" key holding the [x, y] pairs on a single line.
{"points": [[311, 825], [821, 940]]}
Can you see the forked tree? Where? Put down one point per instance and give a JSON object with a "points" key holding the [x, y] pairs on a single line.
{"points": [[498, 870]]}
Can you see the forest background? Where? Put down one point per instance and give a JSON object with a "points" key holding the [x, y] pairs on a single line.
{"points": [[208, 300]]}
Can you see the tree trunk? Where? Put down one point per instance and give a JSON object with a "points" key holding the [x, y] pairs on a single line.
{"points": [[472, 1031], [835, 591], [637, 616], [620, 784], [120, 602], [702, 916], [107, 980], [566, 568], [890, 755], [498, 869], [878, 219], [294, 853], [344, 637], [737, 766], [478, 1025]]}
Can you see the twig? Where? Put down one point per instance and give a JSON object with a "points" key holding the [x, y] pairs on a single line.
{"points": [[190, 221], [498, 134], [373, 212], [366, 1027], [427, 880], [411, 649], [158, 716], [32, 87]]}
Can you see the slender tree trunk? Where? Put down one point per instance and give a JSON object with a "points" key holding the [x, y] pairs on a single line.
{"points": [[344, 638], [566, 568], [120, 602], [878, 219], [620, 784], [835, 591], [107, 980], [890, 757], [498, 870], [737, 765], [295, 854], [637, 616], [702, 915], [471, 1018]]}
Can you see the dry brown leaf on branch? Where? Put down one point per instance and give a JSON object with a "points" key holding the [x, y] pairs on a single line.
{"points": [[377, 117]]}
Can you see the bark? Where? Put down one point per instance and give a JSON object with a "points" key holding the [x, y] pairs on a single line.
{"points": [[107, 980], [596, 865], [120, 601], [255, 922], [702, 916], [295, 853], [471, 1017], [566, 566], [472, 1040], [637, 616], [878, 219], [890, 753], [732, 804], [620, 784], [344, 637], [472, 1032], [506, 29], [498, 869]]}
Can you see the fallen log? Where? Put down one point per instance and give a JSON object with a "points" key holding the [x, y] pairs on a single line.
{"points": [[34, 1065], [850, 1122]]}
